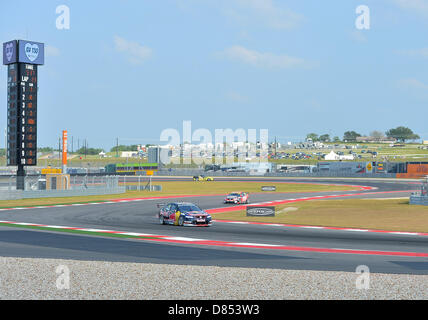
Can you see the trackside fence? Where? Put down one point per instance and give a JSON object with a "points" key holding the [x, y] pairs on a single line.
{"points": [[335, 174], [79, 186]]}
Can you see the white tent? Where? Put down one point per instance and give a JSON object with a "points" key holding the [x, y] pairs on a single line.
{"points": [[332, 156]]}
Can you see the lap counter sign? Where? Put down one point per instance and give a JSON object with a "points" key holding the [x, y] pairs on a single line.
{"points": [[22, 59]]}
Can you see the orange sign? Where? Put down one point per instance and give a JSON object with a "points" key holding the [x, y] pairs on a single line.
{"points": [[64, 147], [418, 168], [414, 171]]}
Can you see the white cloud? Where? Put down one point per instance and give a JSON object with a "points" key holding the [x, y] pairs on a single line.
{"points": [[51, 51], [236, 97], [264, 12], [419, 6], [262, 59], [417, 52], [412, 83], [271, 14], [358, 36], [135, 52]]}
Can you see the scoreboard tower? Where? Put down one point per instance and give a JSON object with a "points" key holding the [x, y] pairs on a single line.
{"points": [[22, 59]]}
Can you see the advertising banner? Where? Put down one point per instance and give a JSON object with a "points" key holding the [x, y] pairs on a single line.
{"points": [[23, 51], [64, 147], [268, 188], [10, 50], [260, 211]]}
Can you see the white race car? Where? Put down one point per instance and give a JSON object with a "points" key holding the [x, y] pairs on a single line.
{"points": [[237, 198]]}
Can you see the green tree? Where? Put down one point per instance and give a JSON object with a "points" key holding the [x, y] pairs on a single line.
{"points": [[89, 151], [402, 134], [45, 149], [121, 148], [312, 136], [324, 138], [350, 136]]}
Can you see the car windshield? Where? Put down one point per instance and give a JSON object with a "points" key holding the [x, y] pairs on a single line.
{"points": [[189, 207], [234, 194]]}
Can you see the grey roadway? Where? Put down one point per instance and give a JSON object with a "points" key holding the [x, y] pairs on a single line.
{"points": [[140, 217]]}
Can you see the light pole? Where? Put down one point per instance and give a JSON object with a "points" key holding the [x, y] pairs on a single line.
{"points": [[59, 150], [5, 145]]}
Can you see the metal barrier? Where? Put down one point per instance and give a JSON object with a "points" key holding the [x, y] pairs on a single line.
{"points": [[419, 200], [144, 188], [79, 186], [421, 197], [178, 172], [91, 191]]}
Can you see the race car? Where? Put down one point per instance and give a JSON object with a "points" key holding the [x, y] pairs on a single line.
{"points": [[237, 198], [202, 178], [183, 214]]}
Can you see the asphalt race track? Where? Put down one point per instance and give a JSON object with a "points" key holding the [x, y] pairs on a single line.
{"points": [[302, 248]]}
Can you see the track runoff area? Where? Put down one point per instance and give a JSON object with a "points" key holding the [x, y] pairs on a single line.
{"points": [[128, 230]]}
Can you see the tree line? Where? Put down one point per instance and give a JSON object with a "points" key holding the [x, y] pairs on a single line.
{"points": [[94, 151], [402, 134]]}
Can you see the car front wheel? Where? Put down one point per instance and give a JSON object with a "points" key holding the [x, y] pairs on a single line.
{"points": [[161, 219], [181, 221]]}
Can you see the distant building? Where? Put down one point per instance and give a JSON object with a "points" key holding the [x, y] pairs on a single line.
{"points": [[376, 140], [425, 142], [129, 154], [154, 155], [249, 167]]}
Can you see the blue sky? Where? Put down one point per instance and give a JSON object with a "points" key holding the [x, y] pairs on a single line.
{"points": [[132, 68]]}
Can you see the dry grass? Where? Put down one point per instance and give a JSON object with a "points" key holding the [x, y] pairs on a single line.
{"points": [[394, 215], [223, 187], [176, 188]]}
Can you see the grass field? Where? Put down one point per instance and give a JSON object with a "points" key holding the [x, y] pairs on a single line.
{"points": [[222, 187], [410, 152], [393, 215], [173, 188]]}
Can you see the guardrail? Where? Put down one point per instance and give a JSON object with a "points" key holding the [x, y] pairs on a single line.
{"points": [[79, 186], [184, 172], [274, 174], [90, 191], [144, 188]]}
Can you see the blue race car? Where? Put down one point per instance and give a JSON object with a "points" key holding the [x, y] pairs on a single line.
{"points": [[183, 214]]}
